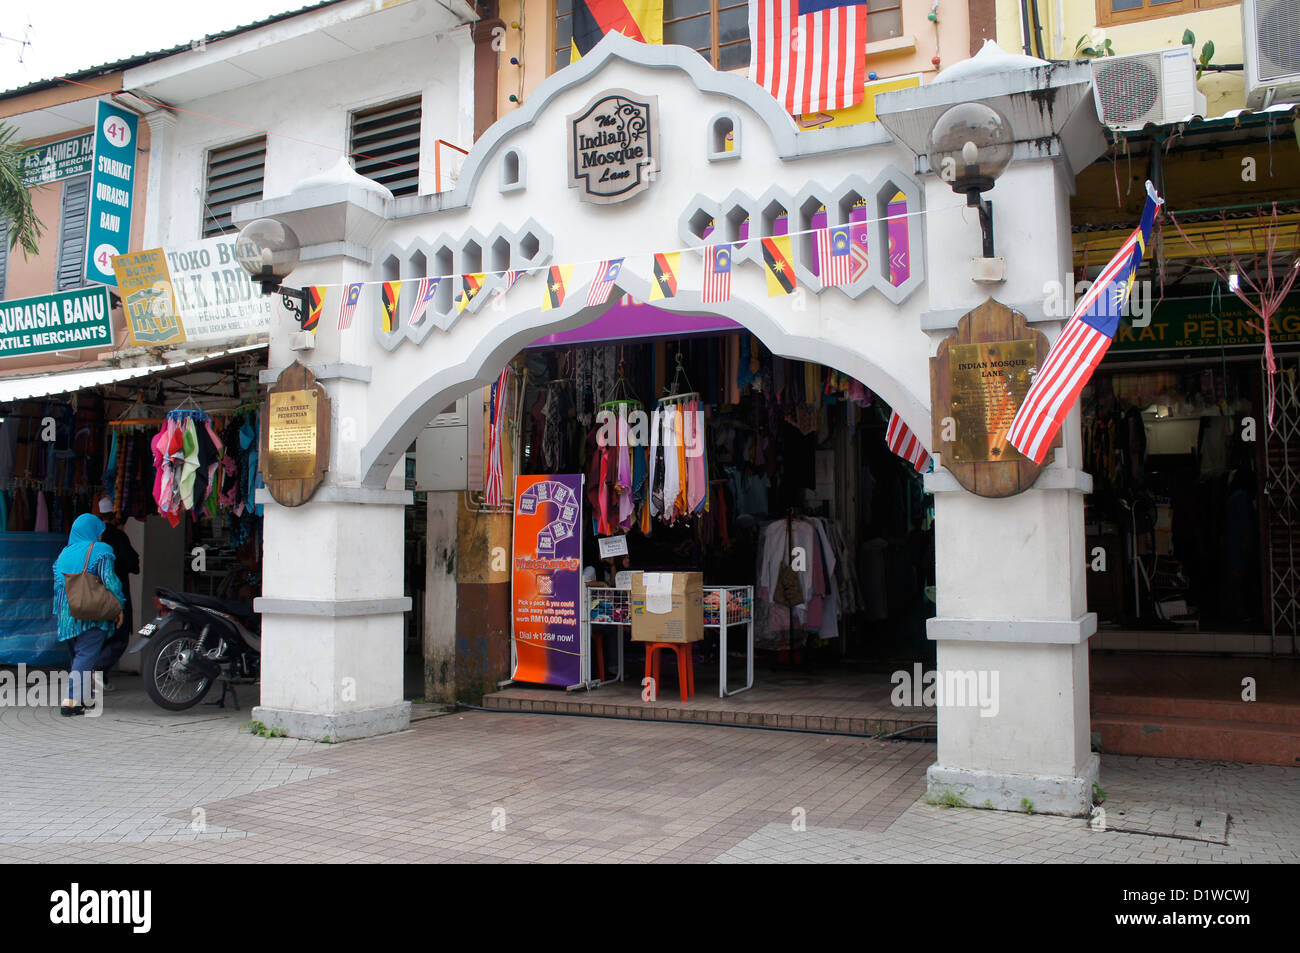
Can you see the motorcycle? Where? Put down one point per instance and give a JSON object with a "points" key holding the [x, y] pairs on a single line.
{"points": [[195, 641]]}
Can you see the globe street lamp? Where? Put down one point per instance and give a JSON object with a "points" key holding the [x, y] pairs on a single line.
{"points": [[970, 145], [268, 250]]}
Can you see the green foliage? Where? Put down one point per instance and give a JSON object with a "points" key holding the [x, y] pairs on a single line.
{"points": [[949, 798], [1207, 51], [16, 209], [1084, 48], [1027, 805], [1098, 795], [262, 731]]}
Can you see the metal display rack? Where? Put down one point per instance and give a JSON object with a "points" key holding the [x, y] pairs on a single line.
{"points": [[725, 608]]}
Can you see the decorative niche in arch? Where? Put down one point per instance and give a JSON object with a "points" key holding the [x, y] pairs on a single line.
{"points": [[512, 171], [724, 137]]}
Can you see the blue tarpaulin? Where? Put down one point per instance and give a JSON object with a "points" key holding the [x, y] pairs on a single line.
{"points": [[29, 633]]}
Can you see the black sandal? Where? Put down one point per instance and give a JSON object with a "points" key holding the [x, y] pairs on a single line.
{"points": [[67, 711]]}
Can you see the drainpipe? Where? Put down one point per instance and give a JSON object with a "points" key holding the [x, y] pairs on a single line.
{"points": [[486, 65]]}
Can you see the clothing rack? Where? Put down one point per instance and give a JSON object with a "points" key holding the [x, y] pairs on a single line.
{"points": [[675, 395]]}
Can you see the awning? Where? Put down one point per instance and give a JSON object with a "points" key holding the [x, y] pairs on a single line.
{"points": [[24, 388]]}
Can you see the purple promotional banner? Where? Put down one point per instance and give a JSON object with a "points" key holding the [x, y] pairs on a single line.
{"points": [[547, 580]]}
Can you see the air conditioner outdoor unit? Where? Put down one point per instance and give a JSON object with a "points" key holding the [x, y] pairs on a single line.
{"points": [[1270, 32], [1157, 87]]}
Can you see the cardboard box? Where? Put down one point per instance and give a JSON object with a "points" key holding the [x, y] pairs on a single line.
{"points": [[668, 607]]}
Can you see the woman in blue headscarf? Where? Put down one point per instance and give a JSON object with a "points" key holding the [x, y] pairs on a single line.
{"points": [[86, 635]]}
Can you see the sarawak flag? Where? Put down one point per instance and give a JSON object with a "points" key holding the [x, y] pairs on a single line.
{"points": [[641, 20], [1082, 344], [777, 258], [717, 274], [424, 294], [392, 290], [556, 282], [666, 268], [809, 54], [315, 304], [903, 442], [469, 287], [351, 295]]}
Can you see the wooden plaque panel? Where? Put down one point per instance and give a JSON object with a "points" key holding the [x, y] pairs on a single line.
{"points": [[998, 332], [297, 465]]}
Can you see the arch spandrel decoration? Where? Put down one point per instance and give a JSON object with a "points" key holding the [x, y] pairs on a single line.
{"points": [[868, 328]]}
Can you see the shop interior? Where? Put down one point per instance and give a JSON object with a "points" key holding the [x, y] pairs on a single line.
{"points": [[790, 455], [61, 454]]}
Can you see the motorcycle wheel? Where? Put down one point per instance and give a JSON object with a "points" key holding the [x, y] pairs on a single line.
{"points": [[166, 684]]}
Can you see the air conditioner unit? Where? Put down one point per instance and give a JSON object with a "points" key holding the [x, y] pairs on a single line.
{"points": [[1157, 87], [1270, 31]]}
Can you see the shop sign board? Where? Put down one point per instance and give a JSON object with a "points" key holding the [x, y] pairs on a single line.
{"points": [[197, 292], [54, 161], [112, 186], [978, 379], [1194, 324], [614, 146], [546, 569], [67, 321], [295, 449]]}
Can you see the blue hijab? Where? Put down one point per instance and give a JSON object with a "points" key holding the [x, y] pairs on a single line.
{"points": [[86, 529]]}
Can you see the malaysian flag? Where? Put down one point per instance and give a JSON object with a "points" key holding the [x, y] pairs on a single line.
{"points": [[903, 442], [606, 275], [809, 54], [512, 277], [424, 294], [1082, 344], [835, 255], [351, 295], [717, 274]]}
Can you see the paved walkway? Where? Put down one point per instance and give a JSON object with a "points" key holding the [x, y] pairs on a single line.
{"points": [[138, 784]]}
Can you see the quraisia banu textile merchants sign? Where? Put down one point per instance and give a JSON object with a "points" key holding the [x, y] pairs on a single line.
{"points": [[63, 322]]}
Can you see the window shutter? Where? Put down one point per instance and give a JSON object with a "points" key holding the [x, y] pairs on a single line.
{"points": [[235, 176], [71, 270], [386, 145]]}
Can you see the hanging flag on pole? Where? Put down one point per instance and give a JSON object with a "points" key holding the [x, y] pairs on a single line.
{"points": [[1082, 344], [556, 282], [606, 275], [835, 255], [666, 267], [388, 299], [424, 293], [777, 258], [903, 442], [809, 54], [351, 295], [717, 274], [315, 304]]}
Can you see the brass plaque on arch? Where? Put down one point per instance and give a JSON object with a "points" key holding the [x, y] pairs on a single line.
{"points": [[989, 383], [291, 446]]}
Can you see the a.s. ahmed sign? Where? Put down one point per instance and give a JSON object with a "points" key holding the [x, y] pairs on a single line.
{"points": [[614, 146]]}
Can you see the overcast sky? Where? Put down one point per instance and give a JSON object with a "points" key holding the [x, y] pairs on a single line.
{"points": [[69, 35]]}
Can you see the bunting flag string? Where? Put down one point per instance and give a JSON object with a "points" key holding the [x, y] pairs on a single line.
{"points": [[777, 258], [606, 275], [717, 275], [667, 265], [351, 295], [423, 295], [389, 296]]}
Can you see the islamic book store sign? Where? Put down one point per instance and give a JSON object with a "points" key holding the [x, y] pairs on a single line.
{"points": [[614, 146], [62, 322]]}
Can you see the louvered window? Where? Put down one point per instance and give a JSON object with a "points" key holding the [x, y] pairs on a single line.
{"points": [[386, 145], [71, 271], [235, 175]]}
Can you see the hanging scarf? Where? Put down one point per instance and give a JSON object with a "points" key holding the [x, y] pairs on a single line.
{"points": [[496, 421]]}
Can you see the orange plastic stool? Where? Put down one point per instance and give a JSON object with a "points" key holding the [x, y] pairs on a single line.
{"points": [[685, 665]]}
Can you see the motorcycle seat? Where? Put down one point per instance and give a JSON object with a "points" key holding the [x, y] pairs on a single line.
{"points": [[240, 610]]}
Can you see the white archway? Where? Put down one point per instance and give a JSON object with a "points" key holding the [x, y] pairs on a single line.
{"points": [[1010, 572]]}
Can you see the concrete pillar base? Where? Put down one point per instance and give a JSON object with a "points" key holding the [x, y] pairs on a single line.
{"points": [[1071, 796], [344, 726]]}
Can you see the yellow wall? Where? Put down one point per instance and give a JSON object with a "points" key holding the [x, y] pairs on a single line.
{"points": [[886, 58], [1223, 91]]}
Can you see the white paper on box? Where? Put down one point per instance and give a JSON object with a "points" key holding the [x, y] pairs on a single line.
{"points": [[658, 592], [623, 580]]}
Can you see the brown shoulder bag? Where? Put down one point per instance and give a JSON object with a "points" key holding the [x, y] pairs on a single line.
{"points": [[88, 599]]}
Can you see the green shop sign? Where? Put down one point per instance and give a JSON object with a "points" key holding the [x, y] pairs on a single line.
{"points": [[1194, 325], [59, 160], [62, 322]]}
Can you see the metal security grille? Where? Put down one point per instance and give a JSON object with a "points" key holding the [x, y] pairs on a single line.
{"points": [[235, 176], [386, 145], [71, 269], [1282, 489]]}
